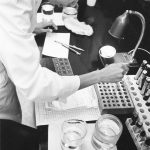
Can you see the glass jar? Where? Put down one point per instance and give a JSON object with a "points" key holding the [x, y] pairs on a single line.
{"points": [[73, 134], [108, 129]]}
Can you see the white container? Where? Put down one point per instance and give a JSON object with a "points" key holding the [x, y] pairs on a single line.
{"points": [[47, 11], [91, 3], [69, 12]]}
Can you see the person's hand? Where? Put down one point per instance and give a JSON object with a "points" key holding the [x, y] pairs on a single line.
{"points": [[114, 72], [40, 27], [64, 3]]}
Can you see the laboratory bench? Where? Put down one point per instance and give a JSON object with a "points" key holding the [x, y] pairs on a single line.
{"points": [[100, 17]]}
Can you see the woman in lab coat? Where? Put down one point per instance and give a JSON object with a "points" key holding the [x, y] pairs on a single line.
{"points": [[22, 79], [19, 64]]}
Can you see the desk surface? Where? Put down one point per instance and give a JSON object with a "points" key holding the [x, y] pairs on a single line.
{"points": [[100, 17]]}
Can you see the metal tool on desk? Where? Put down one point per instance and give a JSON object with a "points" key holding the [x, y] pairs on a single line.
{"points": [[73, 48]]}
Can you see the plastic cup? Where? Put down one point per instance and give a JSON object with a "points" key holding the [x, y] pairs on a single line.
{"points": [[47, 11], [107, 53], [91, 3], [73, 134], [108, 129]]}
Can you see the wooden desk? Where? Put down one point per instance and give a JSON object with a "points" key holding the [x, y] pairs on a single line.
{"points": [[100, 17]]}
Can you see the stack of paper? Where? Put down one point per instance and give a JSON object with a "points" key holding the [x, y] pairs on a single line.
{"points": [[81, 105]]}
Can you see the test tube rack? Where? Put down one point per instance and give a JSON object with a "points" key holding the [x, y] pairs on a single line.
{"points": [[114, 98], [62, 66], [143, 112], [137, 138]]}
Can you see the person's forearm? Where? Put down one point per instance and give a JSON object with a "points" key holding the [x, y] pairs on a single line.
{"points": [[89, 79], [110, 74]]}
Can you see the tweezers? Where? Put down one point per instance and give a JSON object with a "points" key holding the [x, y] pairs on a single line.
{"points": [[71, 47]]}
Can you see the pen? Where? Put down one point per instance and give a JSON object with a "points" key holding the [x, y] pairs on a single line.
{"points": [[72, 46], [67, 46], [72, 50]]}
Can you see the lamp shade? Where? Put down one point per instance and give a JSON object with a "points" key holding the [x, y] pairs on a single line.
{"points": [[118, 27]]}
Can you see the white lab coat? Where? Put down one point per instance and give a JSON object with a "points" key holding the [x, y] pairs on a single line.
{"points": [[20, 57]]}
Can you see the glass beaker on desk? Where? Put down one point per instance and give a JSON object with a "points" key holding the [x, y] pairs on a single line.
{"points": [[73, 134], [108, 129]]}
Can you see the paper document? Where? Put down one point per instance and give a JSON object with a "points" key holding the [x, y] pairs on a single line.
{"points": [[54, 136], [81, 105], [53, 49], [57, 18], [82, 98]]}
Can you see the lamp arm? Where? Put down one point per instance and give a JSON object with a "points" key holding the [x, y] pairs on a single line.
{"points": [[142, 30]]}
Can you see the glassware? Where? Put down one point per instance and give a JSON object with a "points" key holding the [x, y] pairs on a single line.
{"points": [[47, 11], [108, 129], [68, 12], [107, 52], [73, 134]]}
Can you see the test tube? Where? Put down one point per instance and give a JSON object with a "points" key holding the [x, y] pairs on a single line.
{"points": [[148, 100], [134, 118], [142, 79], [148, 70], [147, 103], [147, 95], [139, 72], [145, 85], [137, 127]]}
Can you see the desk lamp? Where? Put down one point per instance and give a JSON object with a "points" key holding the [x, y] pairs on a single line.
{"points": [[118, 27]]}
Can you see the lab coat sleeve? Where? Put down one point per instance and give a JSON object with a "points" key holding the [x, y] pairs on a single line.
{"points": [[20, 56]]}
